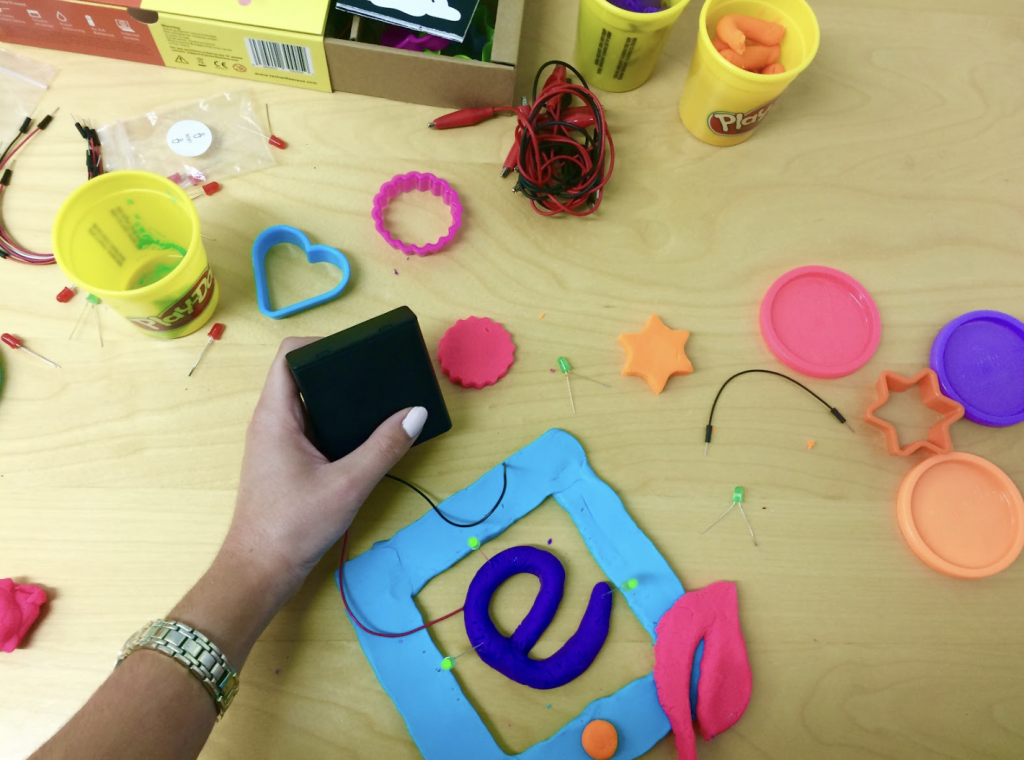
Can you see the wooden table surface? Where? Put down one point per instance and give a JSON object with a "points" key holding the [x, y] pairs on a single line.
{"points": [[896, 157]]}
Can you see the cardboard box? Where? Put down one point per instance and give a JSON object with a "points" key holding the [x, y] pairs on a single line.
{"points": [[369, 69], [281, 41], [278, 42]]}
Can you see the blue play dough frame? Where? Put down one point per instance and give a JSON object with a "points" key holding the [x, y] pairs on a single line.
{"points": [[381, 583], [315, 254]]}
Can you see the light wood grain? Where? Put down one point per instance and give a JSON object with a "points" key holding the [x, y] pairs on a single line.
{"points": [[897, 156]]}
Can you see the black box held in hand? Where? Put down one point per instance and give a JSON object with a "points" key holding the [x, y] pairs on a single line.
{"points": [[355, 379]]}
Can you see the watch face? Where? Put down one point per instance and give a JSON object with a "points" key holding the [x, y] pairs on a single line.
{"points": [[132, 642]]}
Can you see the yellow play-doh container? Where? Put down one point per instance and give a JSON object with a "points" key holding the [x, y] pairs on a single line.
{"points": [[722, 104], [616, 49], [132, 239]]}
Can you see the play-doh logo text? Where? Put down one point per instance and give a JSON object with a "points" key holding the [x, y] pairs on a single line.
{"points": [[185, 309], [726, 123]]}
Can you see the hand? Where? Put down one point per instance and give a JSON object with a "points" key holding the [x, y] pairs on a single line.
{"points": [[293, 504]]}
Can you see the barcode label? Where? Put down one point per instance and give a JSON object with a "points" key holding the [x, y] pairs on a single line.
{"points": [[277, 55]]}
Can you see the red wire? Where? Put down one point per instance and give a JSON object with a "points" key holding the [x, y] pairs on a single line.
{"points": [[542, 165], [19, 146], [7, 243], [341, 586]]}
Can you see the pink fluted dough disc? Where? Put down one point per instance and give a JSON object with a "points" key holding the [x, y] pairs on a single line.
{"points": [[476, 352]]}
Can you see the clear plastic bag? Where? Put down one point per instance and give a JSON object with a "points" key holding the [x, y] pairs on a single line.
{"points": [[209, 140], [23, 83]]}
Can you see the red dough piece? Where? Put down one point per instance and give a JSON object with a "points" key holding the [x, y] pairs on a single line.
{"points": [[476, 352], [723, 691], [19, 608]]}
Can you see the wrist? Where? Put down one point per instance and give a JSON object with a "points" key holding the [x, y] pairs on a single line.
{"points": [[233, 602]]}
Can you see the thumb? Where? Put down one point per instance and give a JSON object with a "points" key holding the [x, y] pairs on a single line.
{"points": [[365, 466]]}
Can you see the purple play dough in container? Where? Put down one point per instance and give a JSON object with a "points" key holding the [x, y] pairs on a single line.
{"points": [[511, 656], [979, 358], [638, 6]]}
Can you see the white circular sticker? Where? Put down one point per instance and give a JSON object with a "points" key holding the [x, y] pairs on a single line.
{"points": [[189, 138]]}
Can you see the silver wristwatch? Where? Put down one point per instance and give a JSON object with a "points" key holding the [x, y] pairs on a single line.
{"points": [[193, 650]]}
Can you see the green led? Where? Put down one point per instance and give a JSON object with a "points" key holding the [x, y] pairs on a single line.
{"points": [[563, 364], [447, 663], [631, 584], [474, 542], [92, 299], [737, 495]]}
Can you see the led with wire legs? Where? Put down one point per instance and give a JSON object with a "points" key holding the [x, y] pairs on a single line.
{"points": [[475, 545], [737, 501], [449, 662], [67, 293], [96, 311], [274, 140], [584, 377], [563, 364], [91, 304], [215, 332], [630, 585], [15, 343]]}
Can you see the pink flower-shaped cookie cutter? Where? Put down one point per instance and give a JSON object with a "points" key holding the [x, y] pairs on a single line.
{"points": [[405, 183]]}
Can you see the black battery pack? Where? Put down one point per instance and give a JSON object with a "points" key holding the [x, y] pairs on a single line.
{"points": [[355, 379]]}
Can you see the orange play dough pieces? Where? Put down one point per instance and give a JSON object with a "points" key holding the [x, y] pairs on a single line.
{"points": [[600, 739], [750, 43], [736, 29], [656, 353], [755, 58]]}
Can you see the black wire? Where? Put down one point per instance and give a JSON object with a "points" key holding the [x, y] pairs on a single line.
{"points": [[10, 146], [8, 149], [707, 432], [504, 487], [22, 131]]}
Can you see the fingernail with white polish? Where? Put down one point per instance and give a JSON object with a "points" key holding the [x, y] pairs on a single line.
{"points": [[414, 421]]}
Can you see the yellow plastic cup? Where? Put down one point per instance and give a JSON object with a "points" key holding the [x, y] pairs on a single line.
{"points": [[132, 239], [723, 104], [616, 49]]}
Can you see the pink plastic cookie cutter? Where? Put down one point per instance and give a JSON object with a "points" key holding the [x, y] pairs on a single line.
{"points": [[405, 183]]}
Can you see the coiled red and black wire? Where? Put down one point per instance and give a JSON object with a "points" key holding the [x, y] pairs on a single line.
{"points": [[9, 247], [564, 161]]}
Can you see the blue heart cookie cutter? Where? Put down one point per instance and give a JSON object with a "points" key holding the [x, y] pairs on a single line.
{"points": [[315, 254]]}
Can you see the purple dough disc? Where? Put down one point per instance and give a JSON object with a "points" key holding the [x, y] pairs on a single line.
{"points": [[510, 656], [979, 358]]}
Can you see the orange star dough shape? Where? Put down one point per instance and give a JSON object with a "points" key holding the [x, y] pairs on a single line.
{"points": [[656, 353]]}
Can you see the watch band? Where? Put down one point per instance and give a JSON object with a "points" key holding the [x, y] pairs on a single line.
{"points": [[193, 650]]}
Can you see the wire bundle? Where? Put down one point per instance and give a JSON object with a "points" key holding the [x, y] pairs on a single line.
{"points": [[93, 158], [9, 247], [562, 156]]}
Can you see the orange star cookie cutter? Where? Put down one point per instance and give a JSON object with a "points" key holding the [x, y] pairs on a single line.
{"points": [[938, 441], [656, 353]]}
